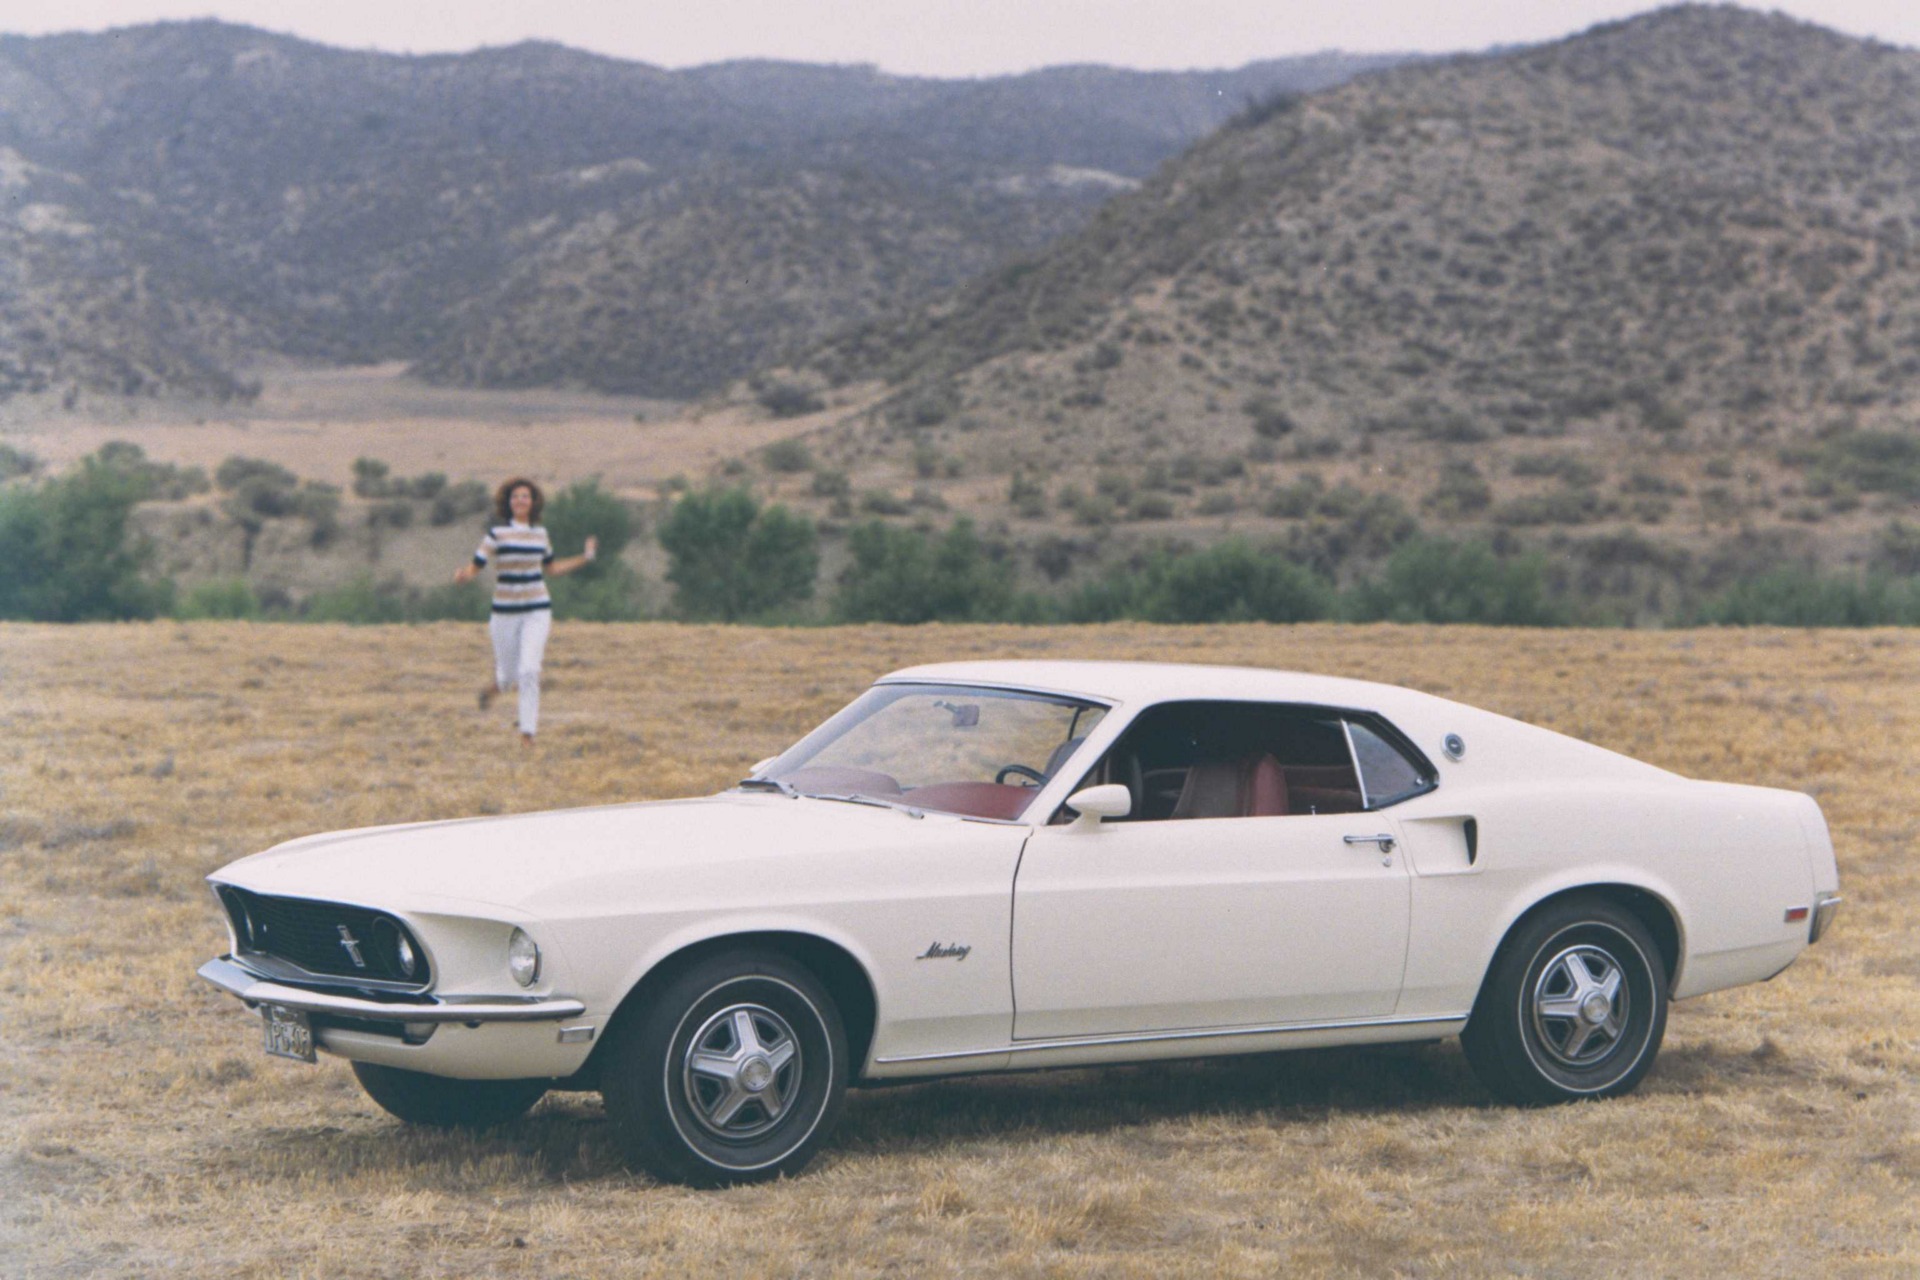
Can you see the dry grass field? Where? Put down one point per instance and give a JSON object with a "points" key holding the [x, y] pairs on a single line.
{"points": [[142, 1131]]}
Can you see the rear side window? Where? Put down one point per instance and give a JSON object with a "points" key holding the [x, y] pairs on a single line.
{"points": [[1387, 775]]}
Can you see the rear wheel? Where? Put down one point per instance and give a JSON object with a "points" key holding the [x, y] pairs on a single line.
{"points": [[441, 1103], [1574, 1006], [734, 1071]]}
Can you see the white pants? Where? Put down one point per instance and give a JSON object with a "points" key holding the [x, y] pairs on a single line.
{"points": [[519, 643]]}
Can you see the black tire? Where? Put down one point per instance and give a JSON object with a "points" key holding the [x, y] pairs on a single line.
{"points": [[734, 1071], [1552, 1023], [441, 1103]]}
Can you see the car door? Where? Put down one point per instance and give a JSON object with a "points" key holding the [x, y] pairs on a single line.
{"points": [[1206, 923]]}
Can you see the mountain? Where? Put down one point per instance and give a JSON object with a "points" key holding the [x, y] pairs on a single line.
{"points": [[1657, 271], [175, 196]]}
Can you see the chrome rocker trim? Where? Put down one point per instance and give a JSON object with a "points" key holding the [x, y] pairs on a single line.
{"points": [[237, 981], [1195, 1034]]}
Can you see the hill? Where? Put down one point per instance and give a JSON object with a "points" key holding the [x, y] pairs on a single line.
{"points": [[179, 195], [1660, 277]]}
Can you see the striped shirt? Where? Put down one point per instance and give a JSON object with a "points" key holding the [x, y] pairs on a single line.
{"points": [[520, 553]]}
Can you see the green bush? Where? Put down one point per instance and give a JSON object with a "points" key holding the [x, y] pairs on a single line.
{"points": [[1790, 598], [784, 399], [452, 602], [787, 457], [1435, 580], [1461, 492], [1869, 461], [456, 502], [361, 601], [585, 509], [1231, 581], [154, 480], [730, 559], [369, 478], [16, 462], [219, 598], [905, 575], [69, 557]]}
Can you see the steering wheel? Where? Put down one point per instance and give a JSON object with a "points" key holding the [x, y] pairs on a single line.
{"points": [[1037, 776]]}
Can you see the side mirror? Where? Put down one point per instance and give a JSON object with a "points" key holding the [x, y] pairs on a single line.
{"points": [[1096, 803]]}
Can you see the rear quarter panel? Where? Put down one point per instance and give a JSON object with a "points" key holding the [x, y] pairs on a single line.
{"points": [[1726, 860]]}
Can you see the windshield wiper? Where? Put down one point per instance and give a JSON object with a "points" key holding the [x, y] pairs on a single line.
{"points": [[876, 802], [773, 784]]}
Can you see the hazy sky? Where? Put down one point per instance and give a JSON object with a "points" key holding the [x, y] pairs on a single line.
{"points": [[928, 37]]}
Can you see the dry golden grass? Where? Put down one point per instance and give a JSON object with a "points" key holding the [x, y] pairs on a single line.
{"points": [[142, 1131]]}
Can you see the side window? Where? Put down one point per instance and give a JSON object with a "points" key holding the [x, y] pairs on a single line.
{"points": [[1231, 760], [1387, 776]]}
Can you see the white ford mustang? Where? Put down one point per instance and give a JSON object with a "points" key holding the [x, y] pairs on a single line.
{"points": [[996, 865]]}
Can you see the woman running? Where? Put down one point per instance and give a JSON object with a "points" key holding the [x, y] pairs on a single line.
{"points": [[517, 543]]}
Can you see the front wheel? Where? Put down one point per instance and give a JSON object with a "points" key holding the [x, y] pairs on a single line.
{"points": [[441, 1103], [734, 1071], [1574, 1007]]}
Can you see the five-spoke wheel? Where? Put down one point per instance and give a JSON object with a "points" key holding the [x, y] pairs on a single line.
{"points": [[1574, 1007], [733, 1070]]}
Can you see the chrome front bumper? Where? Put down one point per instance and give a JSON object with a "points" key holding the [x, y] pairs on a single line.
{"points": [[255, 990]]}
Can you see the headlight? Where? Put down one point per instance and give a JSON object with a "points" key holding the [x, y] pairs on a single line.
{"points": [[403, 952], [523, 958]]}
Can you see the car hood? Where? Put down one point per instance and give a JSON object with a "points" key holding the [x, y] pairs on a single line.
{"points": [[516, 862]]}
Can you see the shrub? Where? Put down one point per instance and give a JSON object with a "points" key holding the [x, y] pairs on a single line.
{"points": [[393, 513], [456, 502], [426, 486], [1297, 500], [369, 478], [1898, 548], [1028, 496], [1231, 581], [237, 471], [1565, 466], [69, 558], [879, 502], [16, 462], [787, 457], [1270, 421], [360, 601], [219, 598], [729, 559], [1434, 580], [1870, 461], [784, 398], [161, 481], [1461, 492], [831, 484], [1794, 598], [585, 509], [454, 602], [907, 576]]}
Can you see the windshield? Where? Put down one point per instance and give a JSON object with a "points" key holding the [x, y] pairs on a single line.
{"points": [[981, 753]]}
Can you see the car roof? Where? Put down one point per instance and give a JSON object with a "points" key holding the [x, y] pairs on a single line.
{"points": [[1499, 743], [1149, 682]]}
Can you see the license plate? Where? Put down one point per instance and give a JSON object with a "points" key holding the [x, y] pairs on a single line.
{"points": [[289, 1033]]}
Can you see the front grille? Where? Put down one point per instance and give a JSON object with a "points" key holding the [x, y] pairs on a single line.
{"points": [[328, 939]]}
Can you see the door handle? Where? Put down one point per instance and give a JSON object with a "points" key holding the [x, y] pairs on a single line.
{"points": [[1383, 840]]}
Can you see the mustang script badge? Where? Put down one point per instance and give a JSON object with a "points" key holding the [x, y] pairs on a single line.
{"points": [[945, 951]]}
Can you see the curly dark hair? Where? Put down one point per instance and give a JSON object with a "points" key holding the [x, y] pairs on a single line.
{"points": [[503, 506]]}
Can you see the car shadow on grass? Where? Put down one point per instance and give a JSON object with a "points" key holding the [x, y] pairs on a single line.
{"points": [[567, 1139]]}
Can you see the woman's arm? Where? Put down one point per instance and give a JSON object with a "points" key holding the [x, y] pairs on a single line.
{"points": [[467, 572], [561, 568]]}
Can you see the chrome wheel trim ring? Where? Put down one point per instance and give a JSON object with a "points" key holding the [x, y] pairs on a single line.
{"points": [[741, 1072]]}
